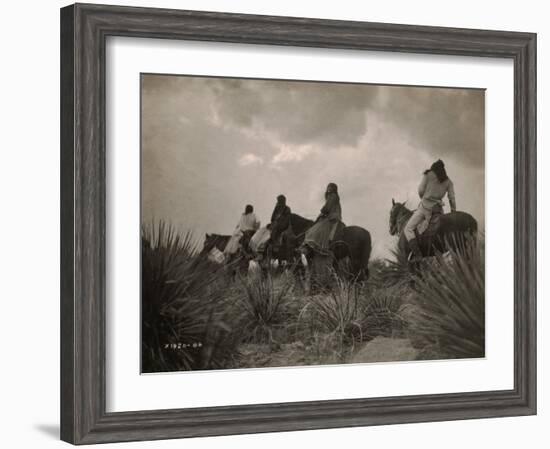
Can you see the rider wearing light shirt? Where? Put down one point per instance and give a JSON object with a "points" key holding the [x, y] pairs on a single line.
{"points": [[434, 186]]}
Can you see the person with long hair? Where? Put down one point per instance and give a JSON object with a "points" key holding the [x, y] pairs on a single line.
{"points": [[247, 223], [280, 219], [435, 184], [319, 236]]}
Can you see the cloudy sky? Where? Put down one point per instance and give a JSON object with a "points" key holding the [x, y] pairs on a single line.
{"points": [[212, 145]]}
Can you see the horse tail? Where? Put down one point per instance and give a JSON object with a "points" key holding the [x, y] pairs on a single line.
{"points": [[366, 254], [473, 227], [472, 231], [462, 231], [468, 226]]}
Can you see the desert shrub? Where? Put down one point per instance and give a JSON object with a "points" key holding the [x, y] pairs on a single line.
{"points": [[184, 326], [265, 307], [391, 272], [383, 313], [336, 311], [355, 312], [450, 293], [325, 349]]}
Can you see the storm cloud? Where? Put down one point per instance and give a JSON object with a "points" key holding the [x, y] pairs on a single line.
{"points": [[212, 145]]}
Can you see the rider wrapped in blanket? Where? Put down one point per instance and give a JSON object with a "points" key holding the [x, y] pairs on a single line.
{"points": [[274, 231], [319, 236], [434, 186], [248, 222], [280, 220]]}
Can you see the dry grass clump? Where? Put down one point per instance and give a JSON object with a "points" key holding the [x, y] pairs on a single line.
{"points": [[265, 307], [195, 316], [351, 312]]}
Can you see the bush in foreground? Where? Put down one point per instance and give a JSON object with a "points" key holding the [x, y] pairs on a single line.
{"points": [[184, 326], [265, 307], [353, 312], [450, 293]]}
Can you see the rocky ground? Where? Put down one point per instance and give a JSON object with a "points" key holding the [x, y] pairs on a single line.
{"points": [[379, 349]]}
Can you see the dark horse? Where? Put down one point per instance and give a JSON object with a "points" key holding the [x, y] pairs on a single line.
{"points": [[353, 243], [452, 226], [238, 261], [212, 241], [288, 240]]}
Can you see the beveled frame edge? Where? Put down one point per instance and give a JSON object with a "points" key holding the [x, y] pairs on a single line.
{"points": [[84, 29]]}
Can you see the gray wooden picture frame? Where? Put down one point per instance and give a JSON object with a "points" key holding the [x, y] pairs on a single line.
{"points": [[84, 29]]}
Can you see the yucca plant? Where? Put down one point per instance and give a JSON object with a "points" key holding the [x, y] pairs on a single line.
{"points": [[382, 315], [450, 319], [391, 272], [265, 305], [338, 311], [184, 326]]}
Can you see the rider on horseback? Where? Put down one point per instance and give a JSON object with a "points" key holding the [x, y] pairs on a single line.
{"points": [[319, 236], [434, 186], [248, 224], [280, 220]]}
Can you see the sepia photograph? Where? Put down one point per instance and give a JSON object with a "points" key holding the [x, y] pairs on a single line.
{"points": [[291, 223]]}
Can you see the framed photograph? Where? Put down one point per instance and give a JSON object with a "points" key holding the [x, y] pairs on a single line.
{"points": [[275, 223]]}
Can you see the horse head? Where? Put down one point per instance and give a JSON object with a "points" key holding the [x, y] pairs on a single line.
{"points": [[397, 210], [210, 241]]}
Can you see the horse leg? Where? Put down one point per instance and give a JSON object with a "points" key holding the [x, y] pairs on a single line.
{"points": [[357, 270], [320, 272], [304, 259], [307, 276]]}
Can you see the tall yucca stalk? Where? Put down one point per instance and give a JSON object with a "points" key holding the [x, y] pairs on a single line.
{"points": [[451, 295], [181, 294]]}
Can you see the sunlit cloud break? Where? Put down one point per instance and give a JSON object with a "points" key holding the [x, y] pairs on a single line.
{"points": [[292, 153], [212, 145], [250, 159]]}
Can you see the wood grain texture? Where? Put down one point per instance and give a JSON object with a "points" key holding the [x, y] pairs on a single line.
{"points": [[67, 225], [84, 29]]}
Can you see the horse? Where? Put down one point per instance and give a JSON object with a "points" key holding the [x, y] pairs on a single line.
{"points": [[353, 243], [449, 234], [212, 241], [239, 261], [284, 243]]}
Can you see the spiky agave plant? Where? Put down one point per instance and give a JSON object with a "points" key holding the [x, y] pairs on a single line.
{"points": [[265, 306], [391, 272], [450, 319], [383, 313], [184, 326], [338, 311]]}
